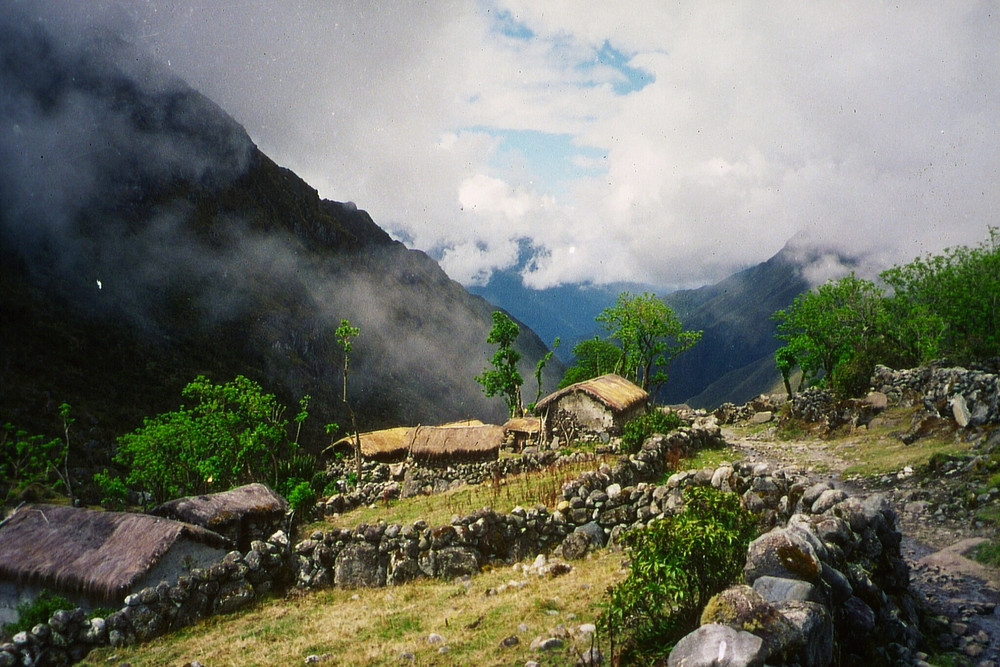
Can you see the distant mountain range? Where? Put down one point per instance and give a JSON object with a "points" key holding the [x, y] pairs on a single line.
{"points": [[146, 240], [734, 361]]}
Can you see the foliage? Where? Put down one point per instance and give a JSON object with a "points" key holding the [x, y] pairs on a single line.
{"points": [[301, 497], [677, 564], [988, 553], [637, 430], [950, 303], [39, 610], [26, 460], [828, 326], [650, 335], [346, 334], [539, 367], [504, 378], [592, 358], [234, 434]]}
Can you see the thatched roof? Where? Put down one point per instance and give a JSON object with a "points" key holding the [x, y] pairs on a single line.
{"points": [[390, 444], [88, 551], [526, 425], [387, 444], [612, 390], [429, 443], [220, 509]]}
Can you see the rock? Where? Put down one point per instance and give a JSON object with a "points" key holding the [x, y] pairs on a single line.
{"points": [[782, 553], [594, 531], [509, 641], [358, 565], [960, 410], [435, 638], [718, 646], [743, 608], [456, 561], [762, 417], [780, 589], [592, 656], [827, 500], [576, 545], [815, 625]]}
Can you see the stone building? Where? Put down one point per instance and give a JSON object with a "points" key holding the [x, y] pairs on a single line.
{"points": [[592, 408]]}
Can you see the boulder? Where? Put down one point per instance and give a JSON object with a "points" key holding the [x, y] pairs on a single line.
{"points": [[718, 646], [358, 565], [782, 553], [814, 624]]}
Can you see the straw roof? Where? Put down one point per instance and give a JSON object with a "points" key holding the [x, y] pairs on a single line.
{"points": [[612, 390], [455, 442], [220, 509], [88, 551], [386, 444], [528, 425]]}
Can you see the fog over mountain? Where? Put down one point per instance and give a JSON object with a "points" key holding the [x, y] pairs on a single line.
{"points": [[146, 239]]}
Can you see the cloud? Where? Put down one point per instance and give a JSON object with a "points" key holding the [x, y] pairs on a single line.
{"points": [[702, 136]]}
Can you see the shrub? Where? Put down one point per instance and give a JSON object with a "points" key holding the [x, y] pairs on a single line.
{"points": [[677, 564], [636, 431], [301, 497], [32, 612]]}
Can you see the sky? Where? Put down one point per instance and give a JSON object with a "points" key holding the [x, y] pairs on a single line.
{"points": [[665, 143]]}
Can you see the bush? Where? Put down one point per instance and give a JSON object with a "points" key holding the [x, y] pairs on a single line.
{"points": [[677, 564], [301, 498], [32, 612], [636, 431]]}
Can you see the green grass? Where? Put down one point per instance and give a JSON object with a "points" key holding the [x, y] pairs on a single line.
{"points": [[988, 553], [374, 626]]}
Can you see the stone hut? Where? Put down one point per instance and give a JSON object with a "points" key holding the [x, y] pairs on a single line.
{"points": [[444, 445], [522, 430], [386, 446], [95, 558], [592, 408], [246, 513]]}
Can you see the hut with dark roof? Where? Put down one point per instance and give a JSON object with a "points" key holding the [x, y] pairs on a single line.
{"points": [[591, 408], [95, 558], [246, 513], [454, 443]]}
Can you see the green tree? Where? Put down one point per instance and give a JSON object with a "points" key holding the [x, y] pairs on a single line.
{"points": [[234, 434], [836, 333], [26, 460], [346, 334], [539, 368], [949, 303], [592, 358], [503, 378], [650, 335]]}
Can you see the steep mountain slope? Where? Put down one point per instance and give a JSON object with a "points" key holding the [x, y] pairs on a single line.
{"points": [[145, 239], [734, 361]]}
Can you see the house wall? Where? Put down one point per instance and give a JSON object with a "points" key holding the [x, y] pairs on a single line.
{"points": [[586, 415], [13, 594]]}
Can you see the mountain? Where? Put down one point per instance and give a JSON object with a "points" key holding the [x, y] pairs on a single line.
{"points": [[146, 240]]}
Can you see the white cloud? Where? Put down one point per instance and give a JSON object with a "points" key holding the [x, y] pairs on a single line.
{"points": [[866, 126]]}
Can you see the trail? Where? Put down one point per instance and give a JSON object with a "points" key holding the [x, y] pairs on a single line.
{"points": [[962, 592]]}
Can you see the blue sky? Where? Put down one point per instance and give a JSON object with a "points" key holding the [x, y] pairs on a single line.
{"points": [[663, 143]]}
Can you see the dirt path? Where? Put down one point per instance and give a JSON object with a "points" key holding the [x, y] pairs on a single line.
{"points": [[964, 593]]}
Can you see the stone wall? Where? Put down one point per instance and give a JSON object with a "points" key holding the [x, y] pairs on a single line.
{"points": [[970, 397], [829, 587]]}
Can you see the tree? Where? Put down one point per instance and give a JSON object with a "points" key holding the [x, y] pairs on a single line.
{"points": [[504, 378], [234, 434], [592, 358], [539, 368], [346, 333], [949, 303], [650, 335], [836, 333]]}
